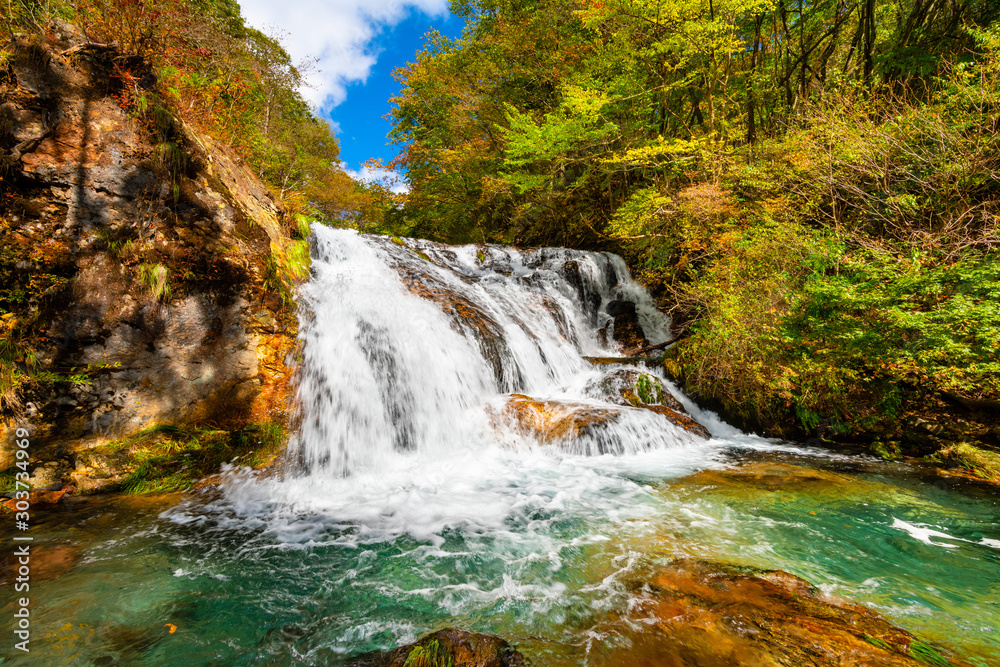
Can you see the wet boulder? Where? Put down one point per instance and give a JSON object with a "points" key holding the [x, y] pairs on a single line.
{"points": [[48, 561], [558, 422], [697, 613], [584, 428], [452, 646], [469, 319], [626, 330], [589, 298], [631, 387]]}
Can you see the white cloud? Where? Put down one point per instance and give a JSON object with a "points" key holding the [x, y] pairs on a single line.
{"points": [[337, 32], [388, 177]]}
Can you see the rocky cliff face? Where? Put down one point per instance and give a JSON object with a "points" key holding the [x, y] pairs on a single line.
{"points": [[137, 261]]}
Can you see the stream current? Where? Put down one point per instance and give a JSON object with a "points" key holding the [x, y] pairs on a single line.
{"points": [[410, 500]]}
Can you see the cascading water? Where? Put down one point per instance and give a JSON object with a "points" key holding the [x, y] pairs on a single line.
{"points": [[412, 347]]}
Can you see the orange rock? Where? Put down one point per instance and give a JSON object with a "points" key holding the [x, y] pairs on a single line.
{"points": [[694, 613], [557, 421], [682, 420], [41, 500]]}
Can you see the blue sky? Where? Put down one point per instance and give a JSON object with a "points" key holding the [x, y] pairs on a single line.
{"points": [[356, 45], [360, 117]]}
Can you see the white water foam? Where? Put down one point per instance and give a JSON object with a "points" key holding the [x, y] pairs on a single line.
{"points": [[411, 351], [924, 533]]}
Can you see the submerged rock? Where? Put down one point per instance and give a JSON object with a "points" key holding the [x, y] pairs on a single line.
{"points": [[452, 647], [786, 480], [698, 613], [40, 499]]}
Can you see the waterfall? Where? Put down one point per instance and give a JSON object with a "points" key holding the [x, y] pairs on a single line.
{"points": [[413, 348]]}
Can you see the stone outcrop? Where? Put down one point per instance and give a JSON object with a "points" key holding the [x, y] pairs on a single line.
{"points": [[136, 255], [695, 613], [569, 424], [631, 387], [625, 328], [452, 647], [556, 422]]}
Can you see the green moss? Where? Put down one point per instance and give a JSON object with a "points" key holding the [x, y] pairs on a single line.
{"points": [[298, 259], [648, 389], [881, 643], [927, 654], [17, 361], [7, 480], [171, 458], [422, 255], [888, 451], [303, 225], [431, 654], [632, 398], [979, 462], [285, 267]]}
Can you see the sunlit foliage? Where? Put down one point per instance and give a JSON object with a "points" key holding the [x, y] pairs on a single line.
{"points": [[811, 187]]}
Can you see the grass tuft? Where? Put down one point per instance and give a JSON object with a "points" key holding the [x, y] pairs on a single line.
{"points": [[167, 458], [979, 462], [154, 279]]}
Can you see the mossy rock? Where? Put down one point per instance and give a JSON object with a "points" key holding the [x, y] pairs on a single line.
{"points": [[450, 647], [632, 387], [400, 242], [166, 458], [966, 457]]}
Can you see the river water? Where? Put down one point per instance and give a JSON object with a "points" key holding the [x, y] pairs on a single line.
{"points": [[410, 500]]}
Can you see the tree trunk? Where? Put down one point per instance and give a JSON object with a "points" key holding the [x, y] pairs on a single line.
{"points": [[751, 99]]}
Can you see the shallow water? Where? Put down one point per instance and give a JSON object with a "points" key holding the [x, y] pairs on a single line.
{"points": [[409, 504], [300, 585]]}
